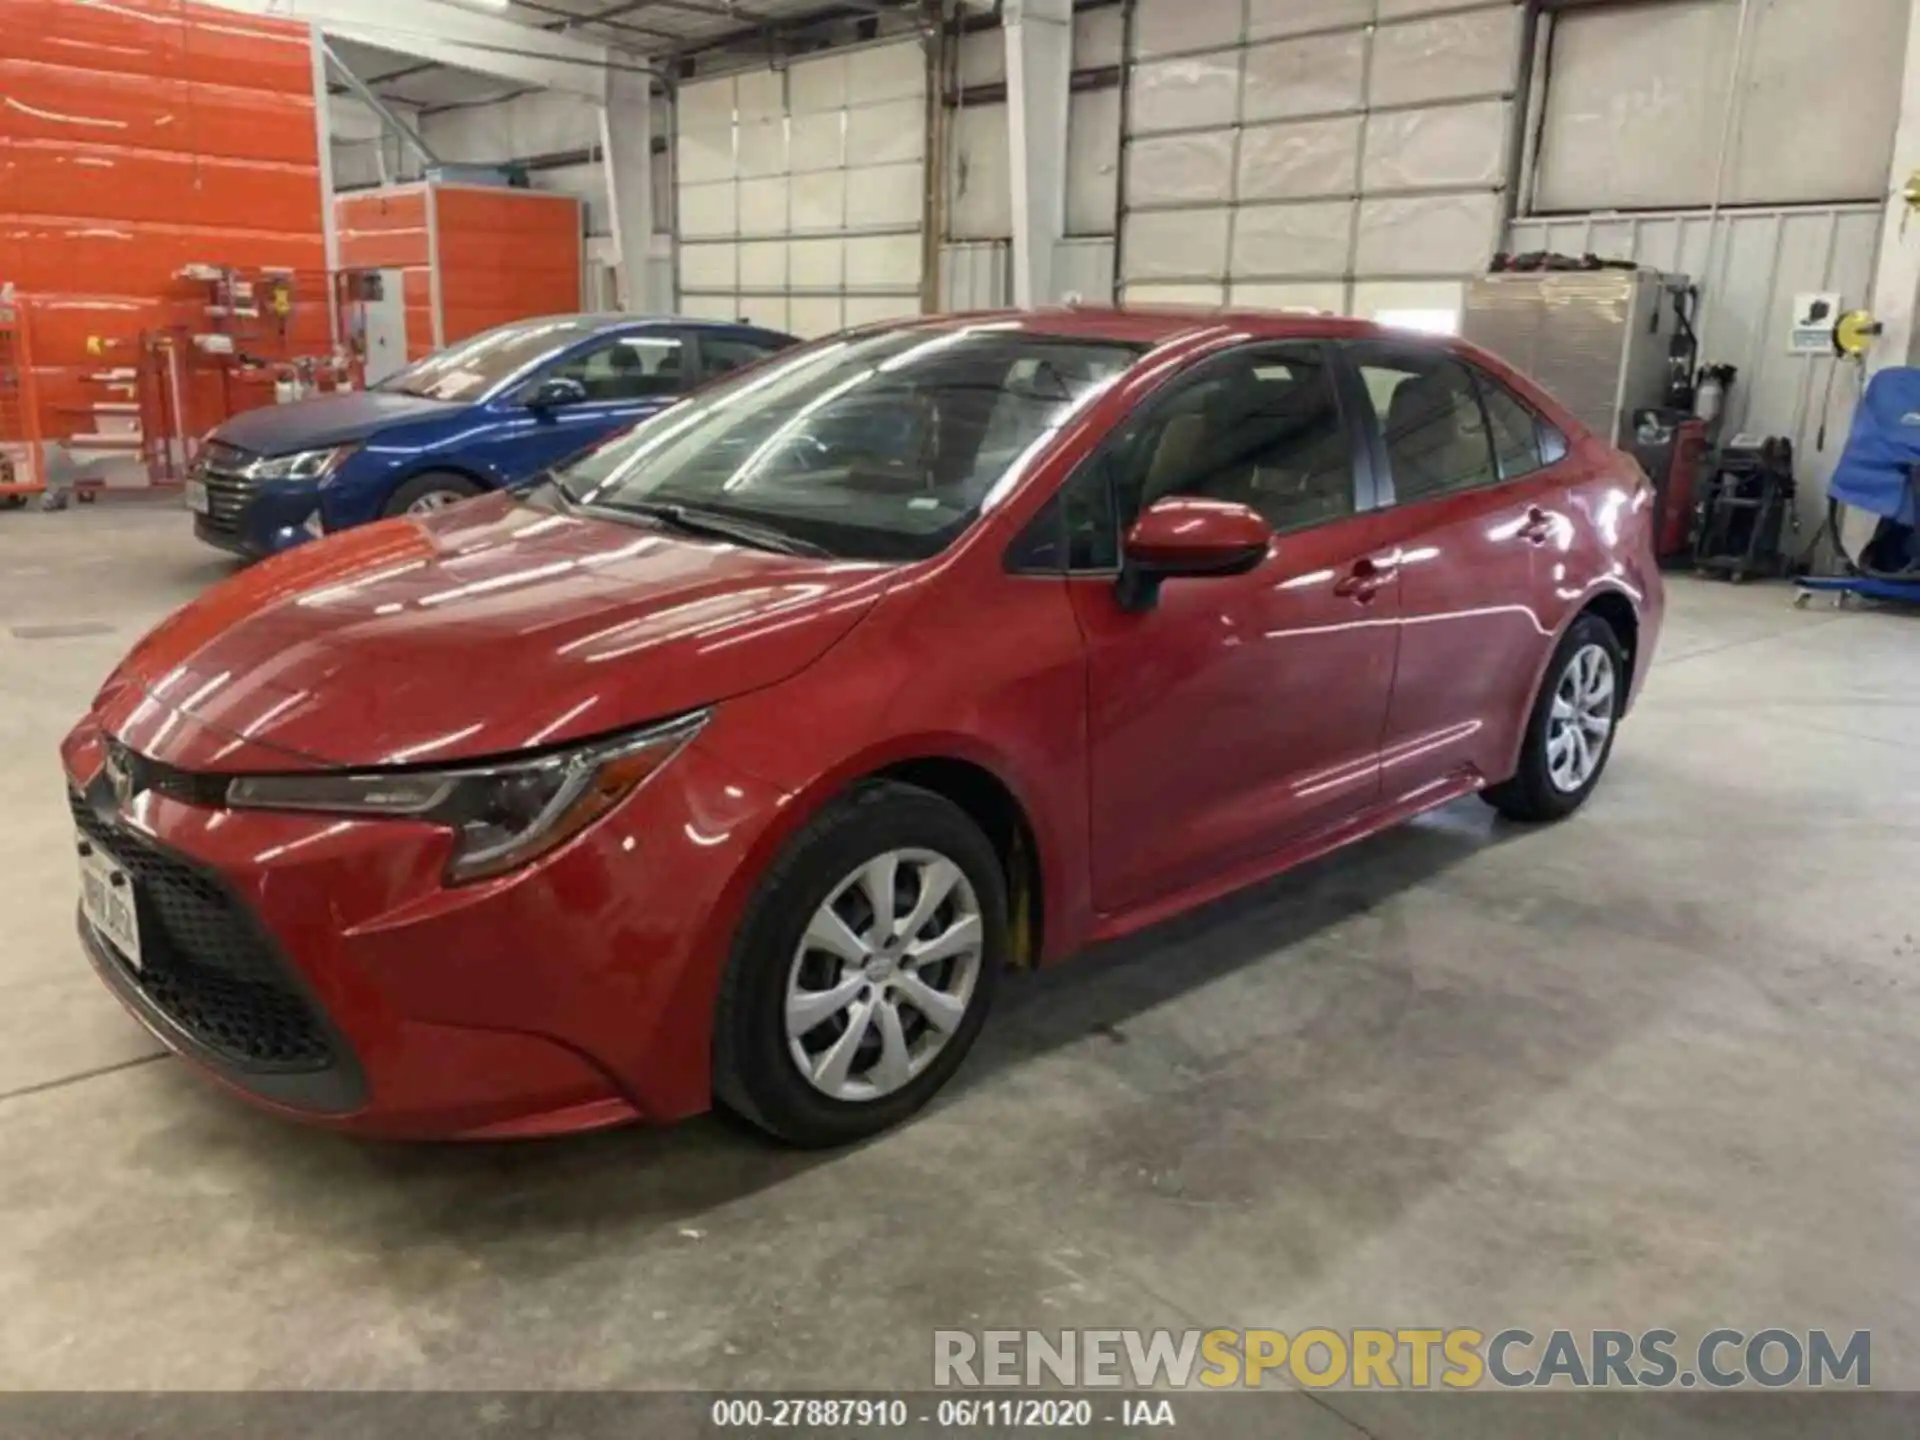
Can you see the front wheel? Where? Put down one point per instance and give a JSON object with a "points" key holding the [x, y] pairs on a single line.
{"points": [[1570, 732], [432, 491], [863, 969]]}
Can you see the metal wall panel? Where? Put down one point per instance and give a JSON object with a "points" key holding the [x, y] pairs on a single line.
{"points": [[1275, 144], [1749, 265], [802, 191], [975, 275], [1093, 162], [979, 188], [1083, 268]]}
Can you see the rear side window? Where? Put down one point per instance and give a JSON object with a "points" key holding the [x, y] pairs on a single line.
{"points": [[1519, 435], [1437, 436], [635, 366], [721, 354]]}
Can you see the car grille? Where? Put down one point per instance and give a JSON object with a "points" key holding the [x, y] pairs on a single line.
{"points": [[228, 490], [205, 964]]}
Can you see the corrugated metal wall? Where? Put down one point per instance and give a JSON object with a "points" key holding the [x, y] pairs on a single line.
{"points": [[1749, 265]]}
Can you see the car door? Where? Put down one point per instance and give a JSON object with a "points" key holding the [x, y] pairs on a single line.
{"points": [[1474, 512], [1239, 713], [622, 377]]}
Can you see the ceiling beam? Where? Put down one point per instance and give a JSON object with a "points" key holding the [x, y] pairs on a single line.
{"points": [[446, 34]]}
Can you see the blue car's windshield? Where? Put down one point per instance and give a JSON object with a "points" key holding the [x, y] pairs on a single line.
{"points": [[469, 369], [883, 446]]}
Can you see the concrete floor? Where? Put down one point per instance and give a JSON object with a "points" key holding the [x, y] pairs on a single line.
{"points": [[1653, 1067]]}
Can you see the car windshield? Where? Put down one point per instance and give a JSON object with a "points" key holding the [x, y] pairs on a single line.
{"points": [[880, 447], [468, 370]]}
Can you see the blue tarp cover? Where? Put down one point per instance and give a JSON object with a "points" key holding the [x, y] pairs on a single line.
{"points": [[1876, 471]]}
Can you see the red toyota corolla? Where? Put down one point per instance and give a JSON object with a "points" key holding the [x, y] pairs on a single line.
{"points": [[736, 760]]}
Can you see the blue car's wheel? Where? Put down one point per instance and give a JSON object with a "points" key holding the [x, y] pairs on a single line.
{"points": [[431, 491]]}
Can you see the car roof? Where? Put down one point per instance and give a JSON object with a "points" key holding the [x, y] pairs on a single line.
{"points": [[594, 322], [1154, 325]]}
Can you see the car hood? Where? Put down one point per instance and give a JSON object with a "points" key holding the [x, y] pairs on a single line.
{"points": [[324, 420], [489, 628]]}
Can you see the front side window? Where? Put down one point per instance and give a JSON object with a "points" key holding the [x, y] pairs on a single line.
{"points": [[883, 446], [1262, 429], [469, 370], [1435, 432], [629, 367]]}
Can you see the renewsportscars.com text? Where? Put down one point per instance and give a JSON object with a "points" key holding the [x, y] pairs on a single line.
{"points": [[1458, 1359]]}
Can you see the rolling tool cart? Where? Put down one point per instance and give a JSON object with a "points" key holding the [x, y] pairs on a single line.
{"points": [[1746, 511]]}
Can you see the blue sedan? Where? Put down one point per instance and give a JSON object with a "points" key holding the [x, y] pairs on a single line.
{"points": [[488, 413]]}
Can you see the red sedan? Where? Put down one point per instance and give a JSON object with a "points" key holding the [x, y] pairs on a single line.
{"points": [[737, 760]]}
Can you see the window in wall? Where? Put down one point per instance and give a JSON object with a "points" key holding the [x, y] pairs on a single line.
{"points": [[1261, 429], [1436, 434]]}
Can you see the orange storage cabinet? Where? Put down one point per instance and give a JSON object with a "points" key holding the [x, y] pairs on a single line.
{"points": [[471, 256]]}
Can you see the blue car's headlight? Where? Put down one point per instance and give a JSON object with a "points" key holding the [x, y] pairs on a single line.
{"points": [[302, 464]]}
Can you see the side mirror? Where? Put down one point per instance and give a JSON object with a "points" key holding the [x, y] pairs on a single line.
{"points": [[555, 392], [1182, 537]]}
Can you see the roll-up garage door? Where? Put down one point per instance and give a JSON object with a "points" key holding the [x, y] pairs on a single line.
{"points": [[801, 191], [1339, 154]]}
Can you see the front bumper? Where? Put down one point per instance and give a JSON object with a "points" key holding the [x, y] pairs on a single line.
{"points": [[323, 970], [256, 519]]}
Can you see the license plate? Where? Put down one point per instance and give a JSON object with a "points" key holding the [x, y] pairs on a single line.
{"points": [[106, 899], [197, 497]]}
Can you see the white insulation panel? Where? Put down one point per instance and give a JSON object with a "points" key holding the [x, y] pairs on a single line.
{"points": [[803, 189], [1298, 160], [1313, 76], [1446, 57], [1321, 146], [1638, 98], [1272, 241], [1445, 145], [1187, 169], [1268, 18]]}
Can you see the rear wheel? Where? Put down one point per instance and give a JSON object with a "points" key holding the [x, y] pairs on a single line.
{"points": [[1570, 732], [863, 969], [432, 491]]}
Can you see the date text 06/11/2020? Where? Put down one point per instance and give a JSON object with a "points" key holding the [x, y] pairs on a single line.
{"points": [[947, 1413]]}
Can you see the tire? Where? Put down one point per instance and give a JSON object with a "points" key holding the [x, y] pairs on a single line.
{"points": [[424, 489], [1535, 793], [756, 1072]]}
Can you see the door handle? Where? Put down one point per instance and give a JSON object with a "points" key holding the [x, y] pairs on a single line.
{"points": [[1364, 581], [1537, 529]]}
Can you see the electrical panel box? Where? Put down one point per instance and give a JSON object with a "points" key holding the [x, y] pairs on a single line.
{"points": [[1599, 341]]}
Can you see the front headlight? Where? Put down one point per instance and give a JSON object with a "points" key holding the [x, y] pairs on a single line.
{"points": [[302, 464], [502, 815]]}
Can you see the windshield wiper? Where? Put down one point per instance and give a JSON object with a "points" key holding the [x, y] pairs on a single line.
{"points": [[727, 527]]}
